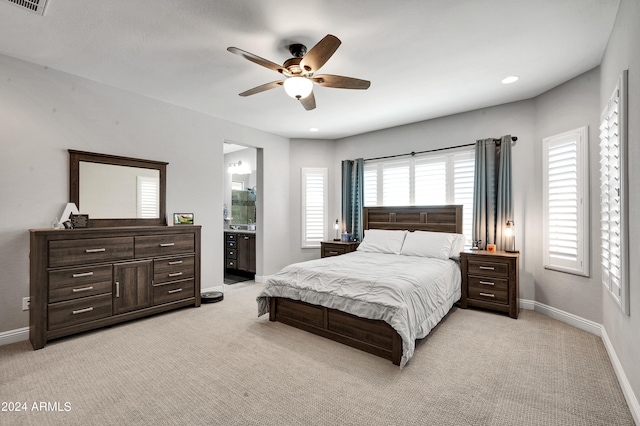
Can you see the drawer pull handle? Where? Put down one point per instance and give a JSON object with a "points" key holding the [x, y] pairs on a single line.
{"points": [[246, 238], [78, 290], [117, 289], [230, 263], [82, 311], [486, 282], [488, 268], [333, 252], [487, 295], [175, 262], [177, 290], [100, 250], [83, 274], [230, 253], [175, 274], [167, 244]]}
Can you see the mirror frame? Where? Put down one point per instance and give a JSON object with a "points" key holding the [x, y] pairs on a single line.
{"points": [[74, 185]]}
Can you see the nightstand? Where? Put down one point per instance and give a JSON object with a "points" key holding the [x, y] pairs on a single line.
{"points": [[490, 280], [336, 248]]}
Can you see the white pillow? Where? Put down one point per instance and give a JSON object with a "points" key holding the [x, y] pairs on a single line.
{"points": [[457, 246], [382, 241], [428, 244]]}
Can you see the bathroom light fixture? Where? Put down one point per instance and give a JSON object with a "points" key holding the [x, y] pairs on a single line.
{"points": [[239, 168], [510, 233], [510, 79], [298, 87]]}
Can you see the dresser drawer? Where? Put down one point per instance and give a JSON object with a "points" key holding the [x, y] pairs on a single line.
{"points": [[231, 244], [231, 237], [92, 250], [74, 283], [165, 293], [231, 254], [488, 268], [172, 269], [231, 263], [489, 295], [162, 245], [78, 311]]}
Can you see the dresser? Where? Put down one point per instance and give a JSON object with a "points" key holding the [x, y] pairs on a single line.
{"points": [[83, 279], [336, 248], [240, 251], [491, 281]]}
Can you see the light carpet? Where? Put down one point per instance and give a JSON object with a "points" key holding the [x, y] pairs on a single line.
{"points": [[221, 365]]}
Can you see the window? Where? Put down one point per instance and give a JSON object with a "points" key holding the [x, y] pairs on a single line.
{"points": [[566, 202], [148, 197], [314, 206], [613, 195], [423, 180]]}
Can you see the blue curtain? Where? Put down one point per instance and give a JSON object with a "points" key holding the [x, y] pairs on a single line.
{"points": [[492, 200], [353, 197]]}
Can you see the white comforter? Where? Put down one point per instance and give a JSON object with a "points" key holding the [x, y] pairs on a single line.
{"points": [[412, 294]]}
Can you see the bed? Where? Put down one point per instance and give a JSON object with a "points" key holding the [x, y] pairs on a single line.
{"points": [[391, 291]]}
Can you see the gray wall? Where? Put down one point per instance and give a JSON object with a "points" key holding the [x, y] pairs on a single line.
{"points": [[623, 53], [45, 112], [569, 106]]}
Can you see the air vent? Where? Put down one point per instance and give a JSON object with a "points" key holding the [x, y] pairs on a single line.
{"points": [[35, 6]]}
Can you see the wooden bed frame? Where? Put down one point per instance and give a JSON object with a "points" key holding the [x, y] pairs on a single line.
{"points": [[372, 336]]}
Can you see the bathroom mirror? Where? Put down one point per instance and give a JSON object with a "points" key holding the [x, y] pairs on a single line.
{"points": [[117, 191]]}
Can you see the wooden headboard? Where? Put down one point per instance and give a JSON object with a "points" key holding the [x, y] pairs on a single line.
{"points": [[414, 218]]}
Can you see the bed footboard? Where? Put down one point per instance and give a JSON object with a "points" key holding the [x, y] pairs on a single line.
{"points": [[373, 336]]}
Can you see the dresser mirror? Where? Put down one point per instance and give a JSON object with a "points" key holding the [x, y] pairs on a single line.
{"points": [[118, 191]]}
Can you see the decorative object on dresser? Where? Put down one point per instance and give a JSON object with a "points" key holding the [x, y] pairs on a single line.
{"points": [[491, 281], [82, 279], [336, 248]]}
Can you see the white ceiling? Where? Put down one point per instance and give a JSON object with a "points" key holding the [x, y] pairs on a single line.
{"points": [[424, 58]]}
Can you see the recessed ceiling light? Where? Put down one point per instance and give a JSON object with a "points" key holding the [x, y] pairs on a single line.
{"points": [[313, 129], [510, 79]]}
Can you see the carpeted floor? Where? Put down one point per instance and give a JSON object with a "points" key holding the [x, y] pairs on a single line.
{"points": [[220, 364]]}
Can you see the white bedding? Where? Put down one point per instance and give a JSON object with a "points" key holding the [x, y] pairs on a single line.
{"points": [[410, 293]]}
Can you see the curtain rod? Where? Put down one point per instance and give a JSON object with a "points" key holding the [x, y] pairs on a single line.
{"points": [[412, 153]]}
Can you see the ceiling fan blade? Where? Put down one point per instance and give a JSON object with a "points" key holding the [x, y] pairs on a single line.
{"points": [[320, 53], [262, 88], [340, 82], [309, 102], [258, 60]]}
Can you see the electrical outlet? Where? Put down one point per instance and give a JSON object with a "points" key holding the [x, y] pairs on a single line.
{"points": [[25, 303]]}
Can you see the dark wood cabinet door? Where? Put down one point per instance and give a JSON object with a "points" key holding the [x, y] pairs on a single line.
{"points": [[246, 257], [133, 288]]}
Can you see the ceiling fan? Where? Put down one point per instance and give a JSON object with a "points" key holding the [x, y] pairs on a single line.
{"points": [[299, 71]]}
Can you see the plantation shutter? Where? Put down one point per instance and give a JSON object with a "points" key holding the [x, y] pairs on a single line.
{"points": [[613, 217], [430, 180], [565, 188], [314, 206], [396, 181], [148, 194], [463, 172], [371, 185]]}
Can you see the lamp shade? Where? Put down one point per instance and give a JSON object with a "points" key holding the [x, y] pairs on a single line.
{"points": [[298, 87]]}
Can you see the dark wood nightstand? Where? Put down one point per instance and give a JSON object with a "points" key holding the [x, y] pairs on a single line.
{"points": [[336, 248], [491, 281]]}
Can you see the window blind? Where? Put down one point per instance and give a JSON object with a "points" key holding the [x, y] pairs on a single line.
{"points": [[565, 199], [148, 194], [463, 171], [396, 184], [613, 215], [314, 206]]}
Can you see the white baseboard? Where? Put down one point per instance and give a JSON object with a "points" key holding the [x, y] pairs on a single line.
{"points": [[565, 317], [13, 336], [598, 330], [259, 279], [632, 401]]}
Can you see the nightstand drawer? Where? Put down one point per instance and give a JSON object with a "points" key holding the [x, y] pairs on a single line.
{"points": [[488, 283], [489, 295], [491, 269], [333, 250]]}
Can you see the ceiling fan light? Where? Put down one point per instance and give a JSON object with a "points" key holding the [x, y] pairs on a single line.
{"points": [[298, 87]]}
